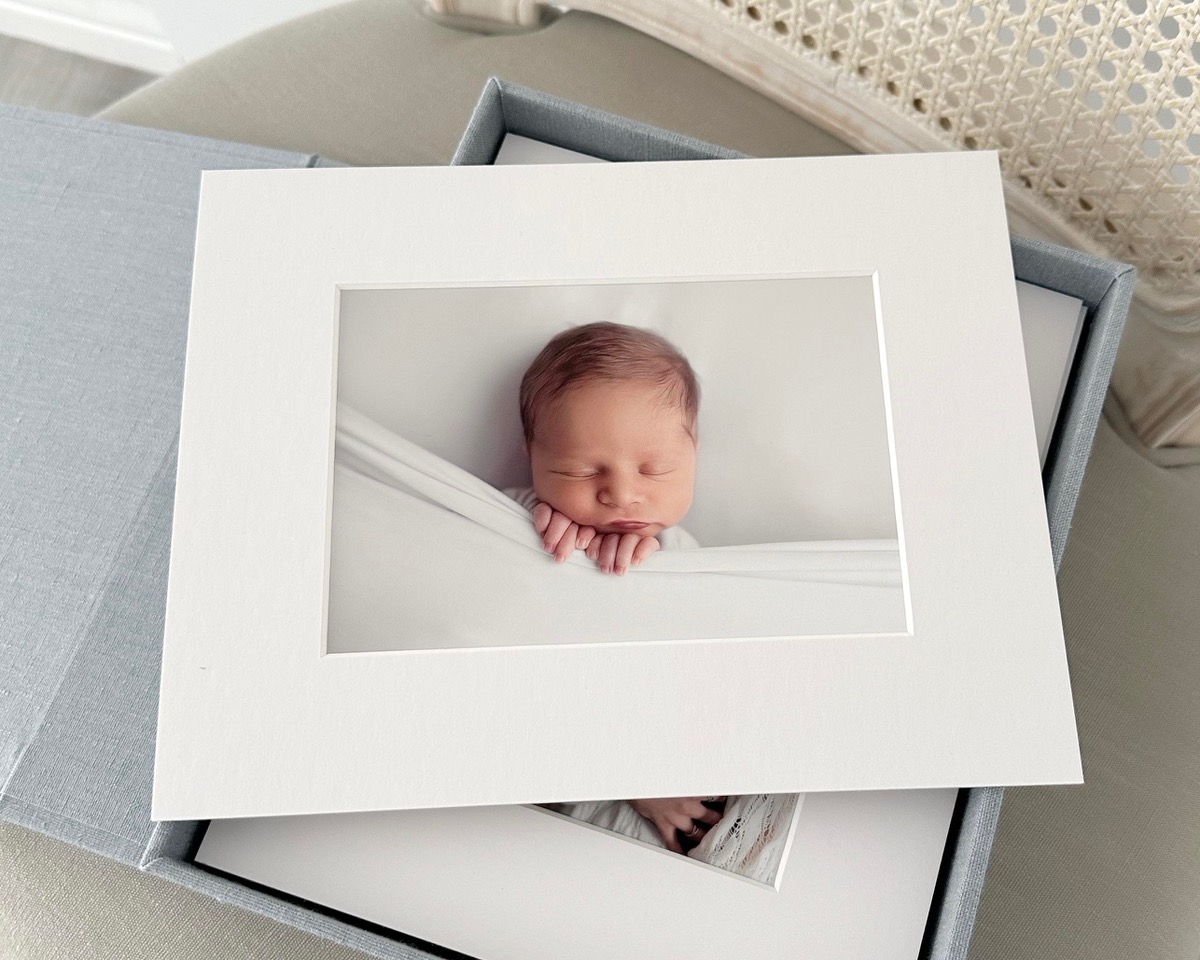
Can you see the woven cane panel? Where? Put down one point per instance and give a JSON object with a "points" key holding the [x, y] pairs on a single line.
{"points": [[1094, 107]]}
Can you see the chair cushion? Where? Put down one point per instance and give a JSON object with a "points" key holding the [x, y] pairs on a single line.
{"points": [[374, 82], [1111, 870]]}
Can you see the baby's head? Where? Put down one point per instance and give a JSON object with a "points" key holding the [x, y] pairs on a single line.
{"points": [[610, 420]]}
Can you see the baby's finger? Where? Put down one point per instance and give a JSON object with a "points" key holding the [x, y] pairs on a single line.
{"points": [[559, 522], [625, 547], [691, 831], [566, 543], [593, 548], [708, 816], [646, 548], [608, 552], [586, 536], [541, 517]]}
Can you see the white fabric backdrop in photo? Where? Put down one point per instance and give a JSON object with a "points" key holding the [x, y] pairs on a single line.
{"points": [[406, 525], [793, 439]]}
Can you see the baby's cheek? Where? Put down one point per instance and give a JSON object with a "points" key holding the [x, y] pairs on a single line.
{"points": [[576, 504], [544, 488], [561, 498]]}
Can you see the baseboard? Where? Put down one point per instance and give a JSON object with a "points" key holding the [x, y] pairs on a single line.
{"points": [[115, 31]]}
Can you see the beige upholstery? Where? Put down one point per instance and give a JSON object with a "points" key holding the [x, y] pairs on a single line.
{"points": [[1111, 870], [61, 903], [375, 82]]}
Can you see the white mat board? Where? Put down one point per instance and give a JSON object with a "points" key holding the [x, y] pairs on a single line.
{"points": [[249, 706]]}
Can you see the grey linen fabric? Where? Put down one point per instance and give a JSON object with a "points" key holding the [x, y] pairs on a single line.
{"points": [[98, 232], [1106, 287], [506, 108], [98, 229], [59, 902]]}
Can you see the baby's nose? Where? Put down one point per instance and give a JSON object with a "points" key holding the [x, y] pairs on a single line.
{"points": [[620, 493]]}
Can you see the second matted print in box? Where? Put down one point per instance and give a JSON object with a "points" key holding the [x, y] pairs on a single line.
{"points": [[264, 711]]}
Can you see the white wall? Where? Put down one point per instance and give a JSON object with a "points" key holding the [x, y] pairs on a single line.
{"points": [[151, 35], [125, 32]]}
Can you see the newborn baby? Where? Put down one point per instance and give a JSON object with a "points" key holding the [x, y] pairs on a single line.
{"points": [[609, 414]]}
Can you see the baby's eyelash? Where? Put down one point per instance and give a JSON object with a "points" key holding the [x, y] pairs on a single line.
{"points": [[574, 475]]}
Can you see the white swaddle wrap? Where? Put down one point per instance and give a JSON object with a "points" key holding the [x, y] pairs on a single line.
{"points": [[425, 555]]}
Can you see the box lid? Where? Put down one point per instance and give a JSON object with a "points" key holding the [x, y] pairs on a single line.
{"points": [[98, 232]]}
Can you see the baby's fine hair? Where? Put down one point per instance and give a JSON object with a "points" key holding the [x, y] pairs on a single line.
{"points": [[607, 352]]}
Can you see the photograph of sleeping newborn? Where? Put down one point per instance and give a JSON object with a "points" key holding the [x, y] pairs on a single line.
{"points": [[745, 835], [557, 479]]}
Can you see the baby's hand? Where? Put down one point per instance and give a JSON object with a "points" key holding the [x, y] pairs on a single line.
{"points": [[688, 815], [615, 552], [560, 534]]}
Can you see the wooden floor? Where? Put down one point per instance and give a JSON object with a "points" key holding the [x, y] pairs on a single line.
{"points": [[35, 76]]}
